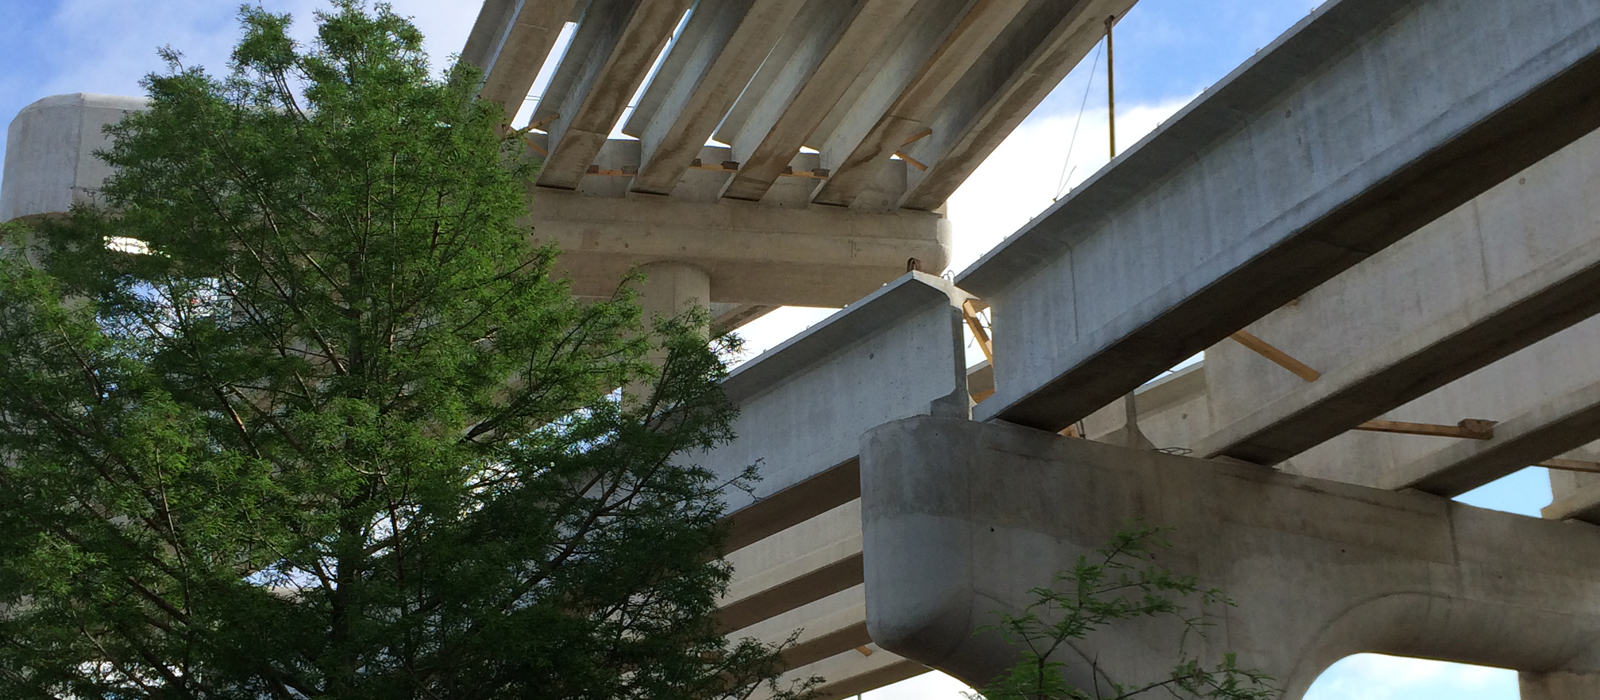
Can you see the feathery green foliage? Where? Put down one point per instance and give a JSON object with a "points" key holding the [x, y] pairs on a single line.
{"points": [[1120, 585], [331, 429]]}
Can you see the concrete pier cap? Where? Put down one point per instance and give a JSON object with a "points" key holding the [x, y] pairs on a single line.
{"points": [[961, 519], [50, 163]]}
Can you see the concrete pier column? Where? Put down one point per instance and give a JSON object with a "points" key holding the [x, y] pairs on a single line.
{"points": [[671, 288], [1559, 685]]}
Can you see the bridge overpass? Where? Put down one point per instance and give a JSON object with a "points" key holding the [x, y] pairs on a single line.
{"points": [[1396, 195]]}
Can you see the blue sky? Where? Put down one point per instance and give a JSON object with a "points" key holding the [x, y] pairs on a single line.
{"points": [[1167, 52]]}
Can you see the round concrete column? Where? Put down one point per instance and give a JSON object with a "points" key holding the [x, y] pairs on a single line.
{"points": [[671, 288]]}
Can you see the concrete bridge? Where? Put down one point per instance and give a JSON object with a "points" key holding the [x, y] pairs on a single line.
{"points": [[1391, 207]]}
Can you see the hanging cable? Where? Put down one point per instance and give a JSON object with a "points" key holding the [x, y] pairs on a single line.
{"points": [[1066, 175]]}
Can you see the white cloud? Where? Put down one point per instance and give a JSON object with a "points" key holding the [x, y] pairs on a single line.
{"points": [[1023, 176]]}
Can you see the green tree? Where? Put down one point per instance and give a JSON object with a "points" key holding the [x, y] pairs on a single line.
{"points": [[1120, 583], [319, 422]]}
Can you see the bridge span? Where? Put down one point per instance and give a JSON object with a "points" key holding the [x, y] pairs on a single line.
{"points": [[1393, 206]]}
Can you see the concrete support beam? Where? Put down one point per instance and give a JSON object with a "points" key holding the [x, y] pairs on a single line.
{"points": [[904, 54], [510, 42], [1000, 88], [628, 35], [827, 627], [781, 126], [787, 66], [827, 490], [860, 149], [961, 518], [1582, 504], [804, 564], [904, 341], [1564, 424], [50, 163], [1508, 269], [851, 673], [1559, 685], [732, 39], [1272, 185], [598, 26], [700, 40], [755, 254]]}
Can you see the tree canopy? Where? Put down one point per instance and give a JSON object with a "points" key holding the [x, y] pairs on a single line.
{"points": [[297, 411]]}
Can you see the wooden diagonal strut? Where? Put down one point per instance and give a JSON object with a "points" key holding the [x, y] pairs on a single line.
{"points": [[1469, 429], [969, 311], [1570, 465], [1278, 357]]}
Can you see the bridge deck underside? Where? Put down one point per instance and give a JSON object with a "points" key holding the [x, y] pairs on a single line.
{"points": [[927, 87]]}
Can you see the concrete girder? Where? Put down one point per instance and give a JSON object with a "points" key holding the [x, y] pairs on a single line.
{"points": [[961, 518], [915, 40], [1499, 274], [786, 119], [859, 150], [1583, 504], [716, 68], [822, 628], [628, 35], [487, 29], [705, 32], [1564, 424], [1324, 151], [795, 54], [510, 42], [1559, 685], [804, 564], [787, 69], [852, 673], [903, 340], [598, 26], [755, 254], [1000, 88], [779, 511]]}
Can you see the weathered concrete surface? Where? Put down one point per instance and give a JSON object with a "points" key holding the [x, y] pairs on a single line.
{"points": [[945, 38], [1579, 504], [812, 560], [672, 288], [510, 41], [50, 163], [724, 44], [1003, 86], [627, 37], [1559, 685], [961, 518], [820, 629], [821, 256], [851, 672], [1364, 123], [789, 117], [1565, 423], [1498, 274], [804, 404]]}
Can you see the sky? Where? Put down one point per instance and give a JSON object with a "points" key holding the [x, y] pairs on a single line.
{"points": [[1167, 52]]}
